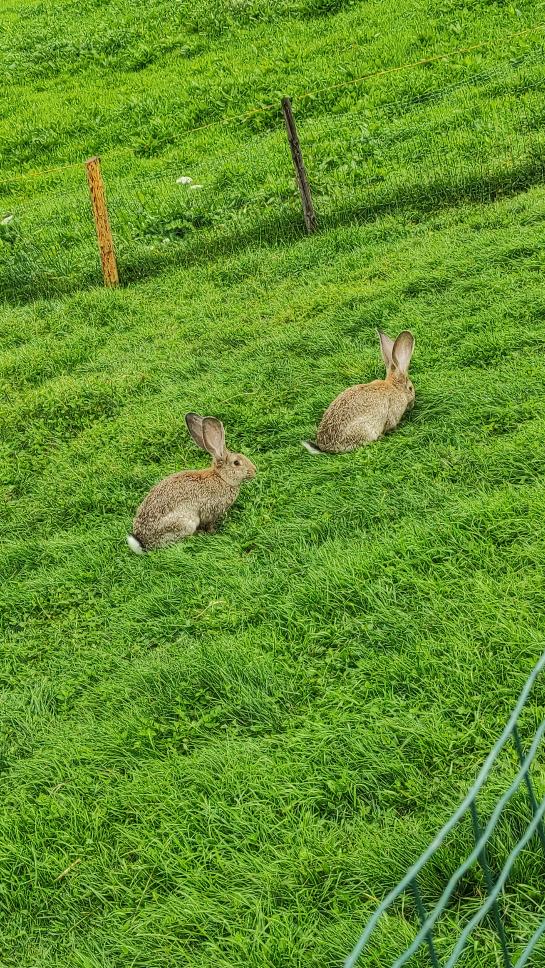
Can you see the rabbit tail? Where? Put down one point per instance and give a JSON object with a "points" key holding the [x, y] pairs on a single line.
{"points": [[134, 544], [311, 447]]}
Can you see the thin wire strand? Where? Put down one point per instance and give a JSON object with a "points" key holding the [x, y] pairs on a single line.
{"points": [[263, 109], [371, 75], [419, 63], [18, 176], [274, 141]]}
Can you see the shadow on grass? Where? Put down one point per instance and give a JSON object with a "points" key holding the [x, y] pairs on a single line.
{"points": [[27, 279], [434, 194]]}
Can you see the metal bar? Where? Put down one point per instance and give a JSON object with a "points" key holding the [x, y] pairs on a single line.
{"points": [[483, 858], [451, 823], [504, 874], [531, 945], [529, 786], [422, 915], [459, 873]]}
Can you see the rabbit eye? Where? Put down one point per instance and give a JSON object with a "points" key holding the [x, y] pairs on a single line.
{"points": [[236, 463]]}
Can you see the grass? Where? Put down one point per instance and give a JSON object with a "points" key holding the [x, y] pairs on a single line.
{"points": [[226, 753]]}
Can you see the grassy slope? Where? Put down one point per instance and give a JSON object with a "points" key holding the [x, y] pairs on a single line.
{"points": [[246, 739], [84, 76], [131, 81]]}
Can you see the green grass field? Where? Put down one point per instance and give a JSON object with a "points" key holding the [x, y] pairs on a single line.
{"points": [[226, 753]]}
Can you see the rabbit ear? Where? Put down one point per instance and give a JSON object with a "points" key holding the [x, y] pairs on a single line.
{"points": [[194, 425], [403, 350], [386, 347], [214, 437]]}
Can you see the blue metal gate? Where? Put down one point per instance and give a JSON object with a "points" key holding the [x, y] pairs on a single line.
{"points": [[482, 834]]}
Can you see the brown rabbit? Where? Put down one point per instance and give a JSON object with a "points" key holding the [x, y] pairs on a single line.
{"points": [[365, 412], [190, 501]]}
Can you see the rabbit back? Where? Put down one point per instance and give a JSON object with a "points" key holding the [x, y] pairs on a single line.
{"points": [[360, 415]]}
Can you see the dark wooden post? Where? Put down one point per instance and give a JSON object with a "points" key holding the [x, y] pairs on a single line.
{"points": [[298, 164], [102, 222]]}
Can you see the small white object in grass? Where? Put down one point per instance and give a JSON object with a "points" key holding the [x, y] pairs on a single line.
{"points": [[7, 219], [197, 186], [184, 180]]}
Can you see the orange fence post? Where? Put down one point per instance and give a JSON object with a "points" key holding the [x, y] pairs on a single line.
{"points": [[102, 222]]}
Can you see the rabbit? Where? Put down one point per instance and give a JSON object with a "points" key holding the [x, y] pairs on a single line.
{"points": [[190, 501], [365, 412]]}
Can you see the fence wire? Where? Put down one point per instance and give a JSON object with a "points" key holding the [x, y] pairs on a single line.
{"points": [[472, 140], [430, 936]]}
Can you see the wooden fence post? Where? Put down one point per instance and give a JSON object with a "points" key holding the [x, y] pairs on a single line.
{"points": [[298, 164], [102, 222]]}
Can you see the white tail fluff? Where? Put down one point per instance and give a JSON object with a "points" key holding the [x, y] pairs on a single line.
{"points": [[134, 544], [312, 448]]}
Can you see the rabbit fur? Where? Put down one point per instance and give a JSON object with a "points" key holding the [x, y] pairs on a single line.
{"points": [[363, 413], [189, 501]]}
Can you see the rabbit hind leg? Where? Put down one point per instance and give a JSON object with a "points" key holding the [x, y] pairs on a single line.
{"points": [[364, 430], [175, 527]]}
